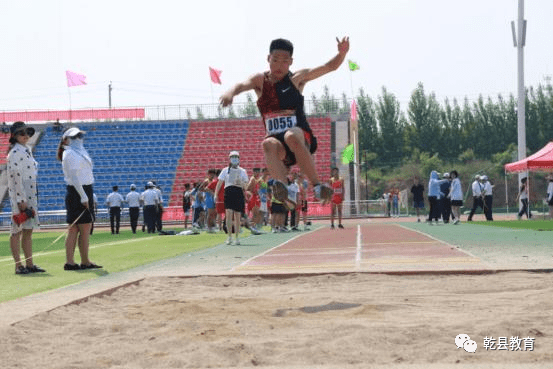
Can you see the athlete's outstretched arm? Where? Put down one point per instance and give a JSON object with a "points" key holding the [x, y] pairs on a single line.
{"points": [[301, 77], [251, 83]]}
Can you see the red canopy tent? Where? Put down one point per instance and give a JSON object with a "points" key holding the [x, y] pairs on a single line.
{"points": [[541, 161]]}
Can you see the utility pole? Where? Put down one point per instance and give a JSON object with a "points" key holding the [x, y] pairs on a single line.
{"points": [[109, 92], [519, 40]]}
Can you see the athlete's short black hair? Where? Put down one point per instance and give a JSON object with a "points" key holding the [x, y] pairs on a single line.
{"points": [[281, 44]]}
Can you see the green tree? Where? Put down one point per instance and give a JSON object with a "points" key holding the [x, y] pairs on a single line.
{"points": [[424, 114], [368, 128], [329, 103], [391, 124], [250, 108], [199, 113]]}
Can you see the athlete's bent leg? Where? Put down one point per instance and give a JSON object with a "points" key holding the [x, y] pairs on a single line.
{"points": [[296, 142]]}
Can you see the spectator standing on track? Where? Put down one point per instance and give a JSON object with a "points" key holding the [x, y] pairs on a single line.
{"points": [[255, 202], [523, 196], [22, 172], [220, 202], [337, 185], [445, 202], [281, 104], [477, 201], [418, 197], [302, 198], [293, 190], [210, 184], [150, 201], [434, 194], [133, 201], [114, 202], [549, 197], [395, 202], [487, 195], [263, 194], [456, 196], [77, 171], [186, 204], [235, 180], [159, 209]]}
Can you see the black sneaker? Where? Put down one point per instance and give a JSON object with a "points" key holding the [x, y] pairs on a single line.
{"points": [[71, 267], [21, 270], [340, 226], [35, 269]]}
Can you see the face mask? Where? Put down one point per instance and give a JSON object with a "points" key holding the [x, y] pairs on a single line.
{"points": [[77, 143], [234, 161]]}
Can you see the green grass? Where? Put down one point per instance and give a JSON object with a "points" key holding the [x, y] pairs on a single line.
{"points": [[115, 253], [535, 225]]}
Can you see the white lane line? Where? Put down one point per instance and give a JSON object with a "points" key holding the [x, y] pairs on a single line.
{"points": [[359, 249]]}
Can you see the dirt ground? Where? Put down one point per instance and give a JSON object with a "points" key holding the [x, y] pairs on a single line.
{"points": [[341, 321]]}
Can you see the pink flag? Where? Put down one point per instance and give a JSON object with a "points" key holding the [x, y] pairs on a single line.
{"points": [[353, 115], [215, 75], [75, 79]]}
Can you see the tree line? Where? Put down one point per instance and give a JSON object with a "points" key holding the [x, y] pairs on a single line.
{"points": [[452, 130]]}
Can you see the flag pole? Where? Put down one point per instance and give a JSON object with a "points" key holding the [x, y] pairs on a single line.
{"points": [[69, 91]]}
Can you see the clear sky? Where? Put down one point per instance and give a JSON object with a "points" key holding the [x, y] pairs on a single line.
{"points": [[158, 52]]}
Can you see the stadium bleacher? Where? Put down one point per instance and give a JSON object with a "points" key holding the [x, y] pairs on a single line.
{"points": [[209, 142], [172, 153], [122, 152]]}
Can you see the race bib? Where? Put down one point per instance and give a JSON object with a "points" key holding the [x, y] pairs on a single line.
{"points": [[338, 190], [280, 122]]}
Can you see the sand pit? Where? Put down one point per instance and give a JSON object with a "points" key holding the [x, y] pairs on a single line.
{"points": [[341, 321]]}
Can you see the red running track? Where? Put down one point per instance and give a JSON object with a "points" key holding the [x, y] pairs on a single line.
{"points": [[381, 248]]}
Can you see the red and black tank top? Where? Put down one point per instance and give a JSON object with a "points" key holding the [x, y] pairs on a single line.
{"points": [[281, 106]]}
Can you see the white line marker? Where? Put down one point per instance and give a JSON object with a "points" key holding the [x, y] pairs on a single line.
{"points": [[359, 248]]}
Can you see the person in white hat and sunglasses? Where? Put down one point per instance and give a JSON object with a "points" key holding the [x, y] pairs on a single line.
{"points": [[235, 179], [79, 200]]}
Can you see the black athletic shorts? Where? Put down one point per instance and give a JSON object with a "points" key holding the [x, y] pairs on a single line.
{"points": [[74, 206], [234, 199], [290, 158]]}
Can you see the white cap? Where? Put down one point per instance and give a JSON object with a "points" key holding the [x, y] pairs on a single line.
{"points": [[477, 176], [150, 184], [446, 175], [72, 132], [234, 153], [484, 178], [133, 186]]}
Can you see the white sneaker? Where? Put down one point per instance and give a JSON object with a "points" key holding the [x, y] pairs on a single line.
{"points": [[456, 221], [229, 241], [255, 231], [237, 242]]}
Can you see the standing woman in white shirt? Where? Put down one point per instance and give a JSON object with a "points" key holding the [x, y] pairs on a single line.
{"points": [[236, 180], [456, 196], [22, 172], [79, 203]]}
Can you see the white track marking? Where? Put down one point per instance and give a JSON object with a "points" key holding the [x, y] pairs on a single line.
{"points": [[359, 248]]}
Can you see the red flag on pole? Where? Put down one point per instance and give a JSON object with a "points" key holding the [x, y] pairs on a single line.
{"points": [[75, 79], [353, 111], [215, 75]]}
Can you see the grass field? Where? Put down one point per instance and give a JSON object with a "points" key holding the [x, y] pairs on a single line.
{"points": [[115, 253], [535, 225]]}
